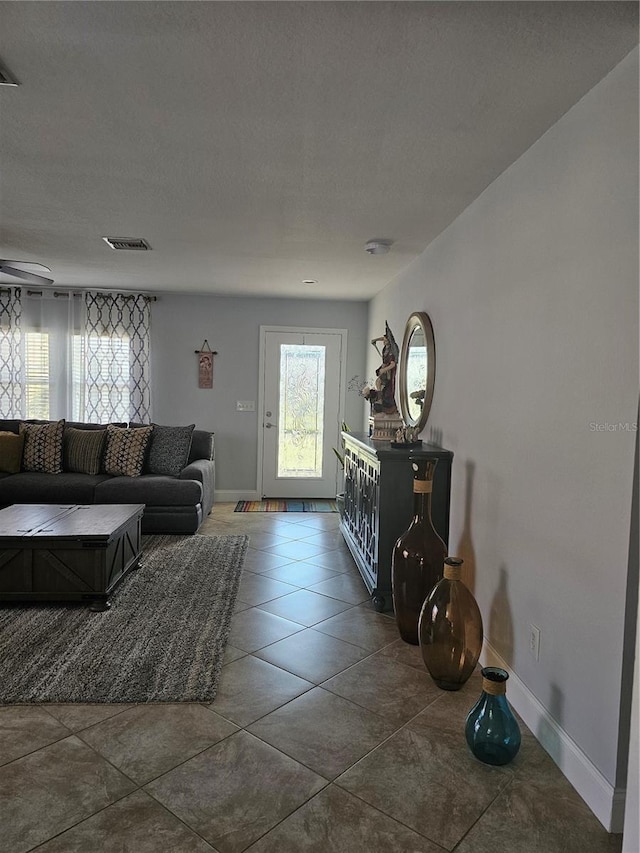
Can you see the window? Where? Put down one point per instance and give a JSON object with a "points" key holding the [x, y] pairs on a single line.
{"points": [[83, 358], [300, 425], [107, 359], [36, 375], [36, 385]]}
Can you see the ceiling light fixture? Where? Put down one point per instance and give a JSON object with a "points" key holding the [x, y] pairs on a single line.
{"points": [[378, 247], [309, 281]]}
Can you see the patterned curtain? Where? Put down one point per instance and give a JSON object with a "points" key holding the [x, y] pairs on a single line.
{"points": [[116, 358], [11, 380]]}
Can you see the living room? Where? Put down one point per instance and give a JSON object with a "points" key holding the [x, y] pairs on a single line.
{"points": [[531, 285]]}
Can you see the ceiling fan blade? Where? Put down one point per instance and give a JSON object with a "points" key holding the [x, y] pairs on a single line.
{"points": [[13, 261], [30, 277]]}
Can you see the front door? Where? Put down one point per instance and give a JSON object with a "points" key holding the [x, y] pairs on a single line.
{"points": [[302, 399]]}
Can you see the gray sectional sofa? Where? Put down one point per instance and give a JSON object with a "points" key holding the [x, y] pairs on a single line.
{"points": [[173, 504]]}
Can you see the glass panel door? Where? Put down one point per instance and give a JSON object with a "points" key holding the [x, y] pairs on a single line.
{"points": [[301, 413]]}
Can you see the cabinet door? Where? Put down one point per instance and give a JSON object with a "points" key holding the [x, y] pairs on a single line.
{"points": [[362, 479]]}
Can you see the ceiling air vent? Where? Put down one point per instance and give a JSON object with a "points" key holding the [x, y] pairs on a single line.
{"points": [[132, 245]]}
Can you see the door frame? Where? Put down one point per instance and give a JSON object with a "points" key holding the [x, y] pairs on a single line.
{"points": [[299, 330]]}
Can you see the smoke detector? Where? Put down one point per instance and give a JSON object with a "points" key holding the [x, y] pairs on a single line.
{"points": [[378, 247]]}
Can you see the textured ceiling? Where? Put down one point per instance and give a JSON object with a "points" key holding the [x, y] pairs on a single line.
{"points": [[256, 144]]}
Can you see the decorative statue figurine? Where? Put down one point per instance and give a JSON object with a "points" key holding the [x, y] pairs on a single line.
{"points": [[407, 435], [384, 399], [385, 418]]}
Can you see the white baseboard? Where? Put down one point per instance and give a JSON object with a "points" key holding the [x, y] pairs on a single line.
{"points": [[229, 496], [605, 801]]}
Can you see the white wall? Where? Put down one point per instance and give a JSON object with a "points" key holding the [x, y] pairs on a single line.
{"points": [[232, 327], [533, 294], [632, 724]]}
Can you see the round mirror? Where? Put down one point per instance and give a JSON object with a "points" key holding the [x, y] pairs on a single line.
{"points": [[417, 370]]}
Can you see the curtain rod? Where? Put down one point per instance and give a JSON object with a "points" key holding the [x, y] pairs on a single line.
{"points": [[59, 293]]}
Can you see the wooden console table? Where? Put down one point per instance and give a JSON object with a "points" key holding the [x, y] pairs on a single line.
{"points": [[67, 553], [378, 504]]}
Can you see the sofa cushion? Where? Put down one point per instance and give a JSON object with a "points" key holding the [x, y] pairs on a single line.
{"points": [[42, 447], [125, 451], [11, 446], [169, 449], [82, 450], [32, 487], [150, 489], [10, 425], [201, 445]]}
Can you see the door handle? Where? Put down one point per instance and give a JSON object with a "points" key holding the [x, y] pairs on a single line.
{"points": [[269, 425]]}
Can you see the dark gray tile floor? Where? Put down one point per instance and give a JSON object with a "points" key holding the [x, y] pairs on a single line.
{"points": [[327, 735]]}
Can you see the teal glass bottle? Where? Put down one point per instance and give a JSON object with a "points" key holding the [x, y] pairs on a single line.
{"points": [[450, 629], [492, 731]]}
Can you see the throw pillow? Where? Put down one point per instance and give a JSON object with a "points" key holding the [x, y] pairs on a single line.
{"points": [[125, 450], [11, 445], [42, 447], [83, 450], [169, 449]]}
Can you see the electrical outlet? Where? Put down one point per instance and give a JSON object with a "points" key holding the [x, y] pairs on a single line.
{"points": [[534, 642]]}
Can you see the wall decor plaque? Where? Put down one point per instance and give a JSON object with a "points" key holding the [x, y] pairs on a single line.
{"points": [[205, 365]]}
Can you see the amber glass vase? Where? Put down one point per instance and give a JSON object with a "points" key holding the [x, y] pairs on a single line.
{"points": [[450, 629], [418, 555]]}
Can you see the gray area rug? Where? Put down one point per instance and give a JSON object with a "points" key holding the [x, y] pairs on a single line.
{"points": [[163, 639]]}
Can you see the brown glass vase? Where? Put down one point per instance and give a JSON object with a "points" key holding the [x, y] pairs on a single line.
{"points": [[450, 629], [418, 555]]}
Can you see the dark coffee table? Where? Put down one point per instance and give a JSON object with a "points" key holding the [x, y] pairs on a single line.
{"points": [[67, 553]]}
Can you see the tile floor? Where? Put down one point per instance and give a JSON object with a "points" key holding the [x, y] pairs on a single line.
{"points": [[327, 734]]}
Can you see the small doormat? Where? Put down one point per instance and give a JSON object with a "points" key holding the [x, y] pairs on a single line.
{"points": [[286, 506]]}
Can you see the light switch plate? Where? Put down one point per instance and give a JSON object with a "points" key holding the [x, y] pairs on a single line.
{"points": [[245, 405]]}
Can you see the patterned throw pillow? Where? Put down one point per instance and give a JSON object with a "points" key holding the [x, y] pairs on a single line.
{"points": [[83, 450], [42, 447], [125, 450], [11, 445], [169, 449]]}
